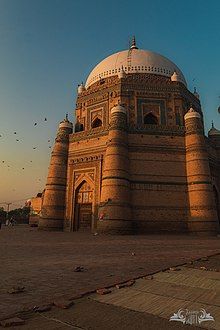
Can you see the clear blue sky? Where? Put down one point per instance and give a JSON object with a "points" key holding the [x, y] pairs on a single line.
{"points": [[49, 46]]}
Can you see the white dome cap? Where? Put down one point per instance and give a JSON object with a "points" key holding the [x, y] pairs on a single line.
{"points": [[192, 114], [121, 74], [65, 123], [175, 77], [213, 131], [118, 108], [81, 88], [134, 61]]}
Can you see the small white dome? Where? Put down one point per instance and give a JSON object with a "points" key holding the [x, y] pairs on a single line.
{"points": [[121, 74], [118, 108], [81, 88], [213, 131], [192, 114], [175, 77], [134, 61], [65, 123]]}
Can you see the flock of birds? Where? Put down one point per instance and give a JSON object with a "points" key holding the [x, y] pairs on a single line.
{"points": [[18, 140]]}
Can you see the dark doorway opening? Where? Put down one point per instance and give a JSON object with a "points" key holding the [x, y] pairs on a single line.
{"points": [[150, 119], [96, 123]]}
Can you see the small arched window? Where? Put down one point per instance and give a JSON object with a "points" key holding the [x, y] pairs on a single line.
{"points": [[150, 119], [79, 127], [96, 123]]}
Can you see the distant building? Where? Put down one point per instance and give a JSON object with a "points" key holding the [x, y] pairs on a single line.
{"points": [[35, 204], [138, 161]]}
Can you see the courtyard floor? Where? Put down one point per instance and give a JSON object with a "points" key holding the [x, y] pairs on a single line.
{"points": [[44, 262]]}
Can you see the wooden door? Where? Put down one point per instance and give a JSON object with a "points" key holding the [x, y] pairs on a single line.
{"points": [[83, 207], [85, 216]]}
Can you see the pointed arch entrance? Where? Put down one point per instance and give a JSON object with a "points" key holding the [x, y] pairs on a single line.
{"points": [[83, 206]]}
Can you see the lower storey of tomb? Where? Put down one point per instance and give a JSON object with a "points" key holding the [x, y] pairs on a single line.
{"points": [[142, 223]]}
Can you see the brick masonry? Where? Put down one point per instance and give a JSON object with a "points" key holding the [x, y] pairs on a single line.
{"points": [[141, 178]]}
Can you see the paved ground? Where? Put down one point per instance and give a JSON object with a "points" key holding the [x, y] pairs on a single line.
{"points": [[88, 314], [44, 262], [164, 293]]}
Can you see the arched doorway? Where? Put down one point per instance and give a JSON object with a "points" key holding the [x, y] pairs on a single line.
{"points": [[83, 207], [96, 123], [150, 119], [217, 203]]}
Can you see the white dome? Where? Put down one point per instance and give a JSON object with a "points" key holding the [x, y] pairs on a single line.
{"points": [[133, 61], [192, 114], [118, 108]]}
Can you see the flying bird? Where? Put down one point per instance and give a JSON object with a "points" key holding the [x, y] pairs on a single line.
{"points": [[34, 147], [35, 124], [15, 132], [17, 140], [45, 119]]}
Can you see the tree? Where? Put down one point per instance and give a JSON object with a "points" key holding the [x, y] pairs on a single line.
{"points": [[3, 214]]}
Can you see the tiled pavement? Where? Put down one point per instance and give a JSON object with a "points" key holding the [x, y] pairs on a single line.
{"points": [[44, 263], [147, 304], [167, 292]]}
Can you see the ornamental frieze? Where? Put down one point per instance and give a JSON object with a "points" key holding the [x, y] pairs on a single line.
{"points": [[157, 129], [157, 149], [157, 94], [94, 132], [147, 78], [169, 186], [101, 85], [97, 99], [86, 159]]}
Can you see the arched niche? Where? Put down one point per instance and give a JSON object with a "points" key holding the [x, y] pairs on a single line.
{"points": [[96, 123], [150, 119], [84, 195]]}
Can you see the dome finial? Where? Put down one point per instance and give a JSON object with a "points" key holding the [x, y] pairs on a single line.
{"points": [[133, 43], [212, 124], [196, 93]]}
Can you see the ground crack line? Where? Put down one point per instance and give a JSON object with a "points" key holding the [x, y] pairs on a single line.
{"points": [[59, 321]]}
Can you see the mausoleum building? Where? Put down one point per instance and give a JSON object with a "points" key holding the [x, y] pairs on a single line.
{"points": [[137, 159]]}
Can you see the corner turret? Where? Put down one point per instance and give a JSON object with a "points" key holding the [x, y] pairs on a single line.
{"points": [[53, 207], [115, 207], [202, 217]]}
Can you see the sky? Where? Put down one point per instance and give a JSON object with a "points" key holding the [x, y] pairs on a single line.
{"points": [[47, 47]]}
